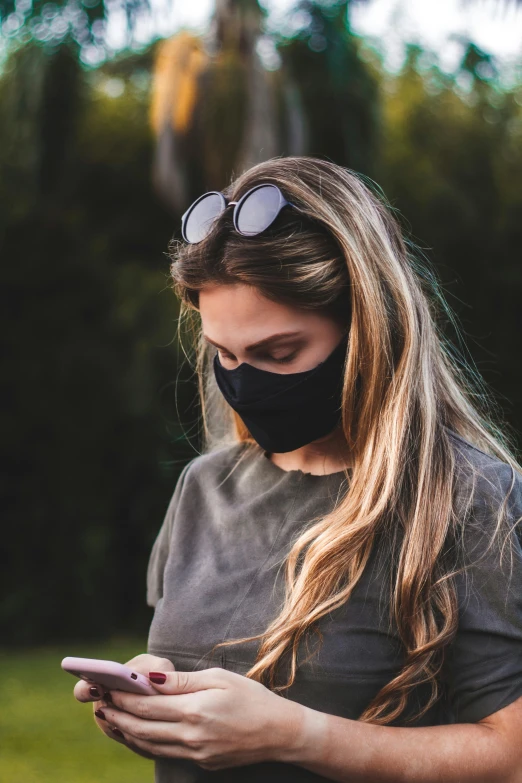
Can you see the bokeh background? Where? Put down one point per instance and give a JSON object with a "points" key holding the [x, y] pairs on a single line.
{"points": [[114, 116]]}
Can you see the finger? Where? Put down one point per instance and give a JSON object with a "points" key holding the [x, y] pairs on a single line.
{"points": [[81, 691], [134, 728], [89, 691], [135, 704], [145, 662], [109, 729], [189, 682], [113, 733], [161, 707], [171, 750], [106, 729]]}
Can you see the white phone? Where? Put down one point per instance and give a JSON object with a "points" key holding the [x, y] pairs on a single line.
{"points": [[110, 674]]}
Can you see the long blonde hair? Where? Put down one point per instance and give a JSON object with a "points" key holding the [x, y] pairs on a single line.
{"points": [[405, 387]]}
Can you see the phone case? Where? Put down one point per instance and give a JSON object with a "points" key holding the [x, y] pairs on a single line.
{"points": [[110, 674]]}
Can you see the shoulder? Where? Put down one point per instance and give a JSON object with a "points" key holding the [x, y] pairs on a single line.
{"points": [[212, 467], [472, 455], [202, 476], [486, 473], [485, 488]]}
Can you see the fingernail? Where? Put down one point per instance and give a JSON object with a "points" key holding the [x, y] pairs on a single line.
{"points": [[157, 677], [99, 714], [117, 732], [94, 692], [107, 696]]}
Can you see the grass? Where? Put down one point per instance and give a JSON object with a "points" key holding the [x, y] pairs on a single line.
{"points": [[46, 736]]}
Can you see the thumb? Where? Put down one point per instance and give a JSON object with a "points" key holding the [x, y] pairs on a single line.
{"points": [[188, 682], [145, 662]]}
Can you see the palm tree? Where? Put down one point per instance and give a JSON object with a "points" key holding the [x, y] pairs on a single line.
{"points": [[217, 110]]}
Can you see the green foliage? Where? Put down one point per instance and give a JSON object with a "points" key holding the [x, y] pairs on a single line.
{"points": [[91, 434], [451, 159], [339, 92], [80, 24]]}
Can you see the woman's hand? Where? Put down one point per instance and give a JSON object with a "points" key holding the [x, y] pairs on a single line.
{"points": [[215, 717], [93, 692]]}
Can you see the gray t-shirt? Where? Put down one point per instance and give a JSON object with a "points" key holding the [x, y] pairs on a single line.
{"points": [[216, 572]]}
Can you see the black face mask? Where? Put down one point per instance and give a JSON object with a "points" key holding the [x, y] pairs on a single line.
{"points": [[284, 411]]}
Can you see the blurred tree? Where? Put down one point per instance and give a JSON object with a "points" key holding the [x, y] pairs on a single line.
{"points": [[452, 163], [217, 109], [91, 438], [339, 91], [41, 97], [80, 24]]}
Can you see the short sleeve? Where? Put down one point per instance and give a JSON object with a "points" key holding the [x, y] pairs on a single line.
{"points": [[160, 548], [484, 661]]}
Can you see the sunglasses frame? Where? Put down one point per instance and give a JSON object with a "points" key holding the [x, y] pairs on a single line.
{"points": [[283, 202]]}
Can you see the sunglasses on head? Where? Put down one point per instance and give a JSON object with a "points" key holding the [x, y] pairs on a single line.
{"points": [[253, 213]]}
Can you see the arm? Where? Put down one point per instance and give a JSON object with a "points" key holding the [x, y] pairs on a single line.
{"points": [[354, 752], [221, 719]]}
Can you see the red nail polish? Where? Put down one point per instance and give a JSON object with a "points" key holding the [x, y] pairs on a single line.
{"points": [[157, 677], [94, 692], [117, 732], [99, 714]]}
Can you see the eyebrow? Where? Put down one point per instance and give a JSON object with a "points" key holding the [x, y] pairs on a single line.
{"points": [[264, 341]]}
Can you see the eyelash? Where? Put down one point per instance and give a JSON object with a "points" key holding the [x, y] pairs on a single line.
{"points": [[283, 360]]}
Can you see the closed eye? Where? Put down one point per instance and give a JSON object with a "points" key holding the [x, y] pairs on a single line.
{"points": [[278, 360], [284, 359]]}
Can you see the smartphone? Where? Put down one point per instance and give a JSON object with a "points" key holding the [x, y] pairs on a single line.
{"points": [[110, 674]]}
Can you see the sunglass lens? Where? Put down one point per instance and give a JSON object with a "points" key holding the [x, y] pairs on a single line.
{"points": [[201, 217], [258, 210]]}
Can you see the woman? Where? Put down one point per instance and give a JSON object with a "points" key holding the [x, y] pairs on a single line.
{"points": [[338, 579]]}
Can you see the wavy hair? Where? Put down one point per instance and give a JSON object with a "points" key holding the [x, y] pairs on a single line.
{"points": [[405, 387]]}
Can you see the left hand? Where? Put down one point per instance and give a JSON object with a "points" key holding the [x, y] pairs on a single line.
{"points": [[215, 717]]}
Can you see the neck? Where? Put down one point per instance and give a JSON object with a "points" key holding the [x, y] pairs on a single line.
{"points": [[325, 455]]}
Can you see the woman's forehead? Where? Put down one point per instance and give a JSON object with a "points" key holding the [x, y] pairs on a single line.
{"points": [[241, 311]]}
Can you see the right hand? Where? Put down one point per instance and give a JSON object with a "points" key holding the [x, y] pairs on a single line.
{"points": [[143, 664]]}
